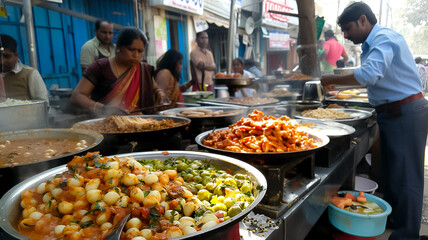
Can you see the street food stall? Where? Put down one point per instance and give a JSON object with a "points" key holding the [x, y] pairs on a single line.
{"points": [[296, 186]]}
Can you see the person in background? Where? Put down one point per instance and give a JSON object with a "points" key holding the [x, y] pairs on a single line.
{"points": [[332, 51], [340, 63], [394, 89], [250, 66], [422, 74], [121, 84], [100, 46], [239, 71], [202, 61], [168, 74], [20, 81]]}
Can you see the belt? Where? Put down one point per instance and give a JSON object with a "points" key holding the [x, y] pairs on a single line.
{"points": [[396, 106]]}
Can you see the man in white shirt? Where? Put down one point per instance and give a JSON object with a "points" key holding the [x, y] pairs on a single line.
{"points": [[20, 81], [100, 46]]}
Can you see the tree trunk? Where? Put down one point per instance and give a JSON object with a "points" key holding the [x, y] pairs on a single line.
{"points": [[307, 42]]}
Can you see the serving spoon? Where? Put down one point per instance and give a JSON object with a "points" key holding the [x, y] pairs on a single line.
{"points": [[117, 229]]}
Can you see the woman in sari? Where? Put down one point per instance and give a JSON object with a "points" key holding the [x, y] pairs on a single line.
{"points": [[121, 84], [168, 74]]}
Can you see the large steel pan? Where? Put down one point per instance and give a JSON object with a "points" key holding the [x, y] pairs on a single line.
{"points": [[10, 176], [319, 138], [115, 143], [210, 121], [11, 210]]}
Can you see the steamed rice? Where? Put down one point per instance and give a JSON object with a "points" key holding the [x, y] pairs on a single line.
{"points": [[321, 113]]}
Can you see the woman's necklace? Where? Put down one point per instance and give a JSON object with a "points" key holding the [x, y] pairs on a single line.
{"points": [[116, 67]]}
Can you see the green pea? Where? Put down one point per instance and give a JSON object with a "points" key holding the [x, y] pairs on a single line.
{"points": [[209, 186], [206, 180], [219, 206], [182, 166], [198, 178], [233, 211], [246, 187], [205, 173], [228, 202], [218, 191], [204, 194]]}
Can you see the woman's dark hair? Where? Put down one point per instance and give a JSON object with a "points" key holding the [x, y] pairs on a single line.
{"points": [[128, 35], [240, 60], [169, 61], [7, 42], [354, 11]]}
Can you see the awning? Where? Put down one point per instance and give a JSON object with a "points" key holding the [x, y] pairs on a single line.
{"points": [[215, 19]]}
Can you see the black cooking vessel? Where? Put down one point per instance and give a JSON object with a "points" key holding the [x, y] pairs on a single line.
{"points": [[10, 176], [267, 158], [169, 138]]}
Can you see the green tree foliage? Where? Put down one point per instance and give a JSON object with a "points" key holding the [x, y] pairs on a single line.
{"points": [[416, 12]]}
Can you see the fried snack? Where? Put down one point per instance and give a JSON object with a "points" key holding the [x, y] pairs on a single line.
{"points": [[220, 75], [123, 124], [237, 75], [261, 134]]}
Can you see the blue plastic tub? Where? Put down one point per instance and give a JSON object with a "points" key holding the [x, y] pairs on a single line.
{"points": [[360, 224]]}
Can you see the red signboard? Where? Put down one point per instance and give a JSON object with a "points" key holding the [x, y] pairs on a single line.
{"points": [[280, 6]]}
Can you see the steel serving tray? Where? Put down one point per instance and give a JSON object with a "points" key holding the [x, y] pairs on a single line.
{"points": [[226, 101], [357, 117], [239, 81], [329, 128], [238, 113], [11, 209]]}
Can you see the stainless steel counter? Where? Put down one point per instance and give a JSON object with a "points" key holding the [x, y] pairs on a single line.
{"points": [[302, 216]]}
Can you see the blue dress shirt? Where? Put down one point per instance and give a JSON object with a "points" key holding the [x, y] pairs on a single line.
{"points": [[388, 69]]}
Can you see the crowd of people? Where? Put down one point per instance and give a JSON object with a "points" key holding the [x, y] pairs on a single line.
{"points": [[115, 80]]}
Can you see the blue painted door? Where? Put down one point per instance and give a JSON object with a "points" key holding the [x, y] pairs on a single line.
{"points": [[177, 38]]}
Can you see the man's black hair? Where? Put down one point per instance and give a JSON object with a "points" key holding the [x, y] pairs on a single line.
{"points": [[329, 34], [99, 21], [418, 60], [249, 63], [7, 42], [198, 34], [354, 11]]}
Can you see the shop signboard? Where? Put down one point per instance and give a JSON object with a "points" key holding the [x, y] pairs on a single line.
{"points": [[279, 40], [221, 7], [191, 6], [161, 35], [279, 20]]}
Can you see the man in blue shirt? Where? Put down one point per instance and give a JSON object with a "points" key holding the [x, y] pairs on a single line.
{"points": [[394, 89]]}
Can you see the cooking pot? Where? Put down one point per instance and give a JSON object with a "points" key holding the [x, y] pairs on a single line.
{"points": [[10, 176], [295, 107], [11, 209], [31, 115], [168, 138], [313, 91]]}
